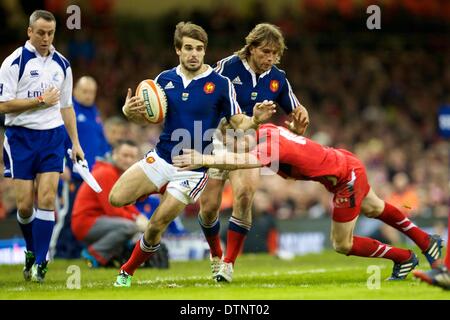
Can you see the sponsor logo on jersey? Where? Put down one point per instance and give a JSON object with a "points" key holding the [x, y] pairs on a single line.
{"points": [[150, 160], [274, 85], [34, 73], [209, 87], [34, 94], [237, 80], [185, 96], [254, 95], [169, 85]]}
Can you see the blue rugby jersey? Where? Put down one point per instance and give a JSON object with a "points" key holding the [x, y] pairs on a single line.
{"points": [[194, 110], [271, 85]]}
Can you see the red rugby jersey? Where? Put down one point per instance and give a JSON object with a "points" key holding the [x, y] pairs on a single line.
{"points": [[300, 158]]}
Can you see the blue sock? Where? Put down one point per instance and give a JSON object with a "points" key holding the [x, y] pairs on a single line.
{"points": [[42, 233], [209, 230], [26, 225]]}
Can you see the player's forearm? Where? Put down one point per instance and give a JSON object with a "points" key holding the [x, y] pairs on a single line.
{"points": [[243, 122], [69, 118], [19, 105], [231, 161]]}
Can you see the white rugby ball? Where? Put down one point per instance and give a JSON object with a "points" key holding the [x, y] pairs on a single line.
{"points": [[155, 100]]}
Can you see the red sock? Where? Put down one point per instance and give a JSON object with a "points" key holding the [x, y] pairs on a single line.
{"points": [[237, 231], [395, 218], [141, 253], [371, 248], [211, 232], [214, 246], [235, 242]]}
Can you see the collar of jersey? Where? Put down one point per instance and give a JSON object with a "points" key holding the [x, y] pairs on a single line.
{"points": [[199, 76], [31, 48], [249, 69]]}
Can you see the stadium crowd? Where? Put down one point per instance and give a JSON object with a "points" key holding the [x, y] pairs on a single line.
{"points": [[379, 101]]}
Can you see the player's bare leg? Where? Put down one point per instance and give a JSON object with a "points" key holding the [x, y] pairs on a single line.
{"points": [[210, 202], [47, 186], [166, 212], [341, 235], [24, 192], [244, 184], [431, 245], [346, 243], [132, 185]]}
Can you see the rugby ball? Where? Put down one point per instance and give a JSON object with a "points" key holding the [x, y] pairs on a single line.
{"points": [[155, 100]]}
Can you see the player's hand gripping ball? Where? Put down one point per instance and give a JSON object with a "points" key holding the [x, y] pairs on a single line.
{"points": [[155, 100]]}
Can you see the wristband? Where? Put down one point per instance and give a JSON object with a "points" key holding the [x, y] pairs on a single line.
{"points": [[41, 100], [254, 121]]}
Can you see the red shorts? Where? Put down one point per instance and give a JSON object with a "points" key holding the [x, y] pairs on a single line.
{"points": [[350, 193]]}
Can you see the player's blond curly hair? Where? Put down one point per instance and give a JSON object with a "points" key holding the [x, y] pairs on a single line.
{"points": [[191, 30], [263, 34]]}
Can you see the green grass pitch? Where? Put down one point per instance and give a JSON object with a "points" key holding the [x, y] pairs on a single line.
{"points": [[316, 276]]}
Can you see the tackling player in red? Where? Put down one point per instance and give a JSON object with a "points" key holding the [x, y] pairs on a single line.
{"points": [[293, 156]]}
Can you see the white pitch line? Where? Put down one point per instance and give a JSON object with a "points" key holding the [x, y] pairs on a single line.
{"points": [[251, 275]]}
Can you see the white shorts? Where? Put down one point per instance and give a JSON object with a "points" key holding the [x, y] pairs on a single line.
{"points": [[186, 186]]}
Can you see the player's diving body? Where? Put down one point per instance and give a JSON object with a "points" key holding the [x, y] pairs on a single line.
{"points": [[293, 156]]}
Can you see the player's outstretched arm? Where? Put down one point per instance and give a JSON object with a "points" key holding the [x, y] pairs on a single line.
{"points": [[134, 108], [191, 160], [49, 98], [262, 111]]}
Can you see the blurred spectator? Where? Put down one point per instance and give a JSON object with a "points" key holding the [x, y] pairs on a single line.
{"points": [[103, 228], [115, 129], [404, 195]]}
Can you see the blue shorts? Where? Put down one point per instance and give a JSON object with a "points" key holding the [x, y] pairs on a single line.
{"points": [[27, 152]]}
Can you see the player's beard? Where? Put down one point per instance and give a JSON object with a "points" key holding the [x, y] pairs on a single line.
{"points": [[190, 68]]}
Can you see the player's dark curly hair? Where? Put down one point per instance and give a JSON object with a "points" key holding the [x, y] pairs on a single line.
{"points": [[263, 34]]}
